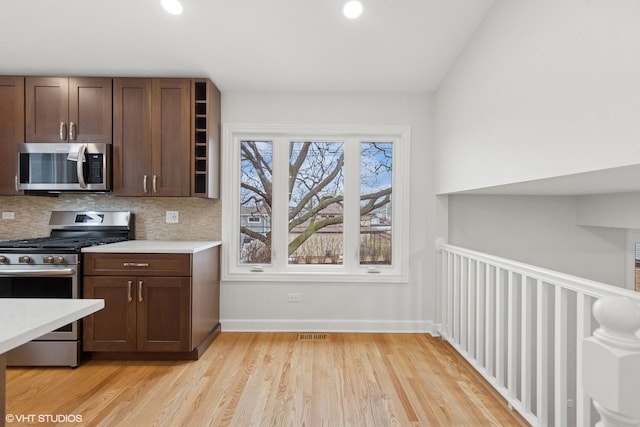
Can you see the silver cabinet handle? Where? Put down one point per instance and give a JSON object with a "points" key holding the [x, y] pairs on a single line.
{"points": [[63, 131], [129, 283], [16, 183], [135, 264], [155, 187], [72, 131], [140, 290], [79, 166], [144, 184]]}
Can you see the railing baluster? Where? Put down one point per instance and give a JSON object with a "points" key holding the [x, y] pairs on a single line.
{"points": [[490, 320], [464, 308], [542, 353], [526, 370], [512, 339], [444, 268], [471, 305], [500, 325], [455, 335], [480, 317], [450, 296], [560, 357]]}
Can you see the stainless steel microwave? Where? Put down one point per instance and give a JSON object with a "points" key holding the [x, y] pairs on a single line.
{"points": [[64, 167]]}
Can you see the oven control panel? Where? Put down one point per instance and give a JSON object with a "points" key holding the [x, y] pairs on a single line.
{"points": [[55, 259], [9, 259]]}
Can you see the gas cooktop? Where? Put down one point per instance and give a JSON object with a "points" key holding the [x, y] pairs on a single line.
{"points": [[73, 230], [59, 242]]}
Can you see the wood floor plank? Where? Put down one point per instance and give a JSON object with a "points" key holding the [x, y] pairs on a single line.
{"points": [[273, 379]]}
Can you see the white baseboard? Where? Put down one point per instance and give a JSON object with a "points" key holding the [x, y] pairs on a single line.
{"points": [[313, 325]]}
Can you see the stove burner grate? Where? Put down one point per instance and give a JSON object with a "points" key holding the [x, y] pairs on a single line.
{"points": [[59, 242]]}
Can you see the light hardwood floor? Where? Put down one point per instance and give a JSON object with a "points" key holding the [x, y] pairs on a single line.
{"points": [[272, 379]]}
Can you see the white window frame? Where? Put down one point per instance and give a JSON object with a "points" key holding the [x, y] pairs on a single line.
{"points": [[279, 270]]}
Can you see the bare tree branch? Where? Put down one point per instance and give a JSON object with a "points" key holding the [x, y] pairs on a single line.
{"points": [[318, 189], [313, 227]]}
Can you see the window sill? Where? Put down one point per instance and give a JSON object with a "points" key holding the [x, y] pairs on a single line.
{"points": [[315, 277]]}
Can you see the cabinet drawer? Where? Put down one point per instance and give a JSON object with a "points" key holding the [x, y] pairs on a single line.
{"points": [[137, 264]]}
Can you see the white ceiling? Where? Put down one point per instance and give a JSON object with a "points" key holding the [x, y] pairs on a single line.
{"points": [[243, 45]]}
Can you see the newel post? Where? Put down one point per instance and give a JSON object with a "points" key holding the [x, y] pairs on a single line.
{"points": [[611, 362]]}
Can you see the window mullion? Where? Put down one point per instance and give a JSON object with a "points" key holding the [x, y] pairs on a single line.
{"points": [[280, 214], [351, 204]]}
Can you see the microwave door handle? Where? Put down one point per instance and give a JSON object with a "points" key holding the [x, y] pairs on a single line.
{"points": [[79, 168]]}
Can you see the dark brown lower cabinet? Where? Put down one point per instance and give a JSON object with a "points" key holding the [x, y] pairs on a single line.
{"points": [[157, 306], [140, 314]]}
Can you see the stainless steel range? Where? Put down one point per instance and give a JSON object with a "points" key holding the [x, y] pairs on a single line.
{"points": [[51, 267]]}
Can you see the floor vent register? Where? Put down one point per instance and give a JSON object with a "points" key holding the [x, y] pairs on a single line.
{"points": [[313, 337]]}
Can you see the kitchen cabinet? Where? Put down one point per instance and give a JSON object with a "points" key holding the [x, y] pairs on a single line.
{"points": [[152, 137], [11, 131], [157, 305], [141, 314], [62, 109], [206, 135]]}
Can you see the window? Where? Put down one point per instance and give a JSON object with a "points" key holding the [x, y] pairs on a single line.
{"points": [[316, 204]]}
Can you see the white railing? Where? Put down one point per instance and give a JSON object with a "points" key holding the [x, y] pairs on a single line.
{"points": [[522, 327]]}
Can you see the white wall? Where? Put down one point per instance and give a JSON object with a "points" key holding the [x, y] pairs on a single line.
{"points": [[538, 230], [329, 306], [545, 88], [621, 210]]}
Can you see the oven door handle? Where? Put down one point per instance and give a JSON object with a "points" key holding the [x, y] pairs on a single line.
{"points": [[38, 273]]}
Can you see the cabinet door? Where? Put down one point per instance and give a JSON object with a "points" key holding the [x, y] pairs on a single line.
{"points": [[90, 101], [164, 314], [47, 109], [114, 327], [132, 137], [171, 136], [11, 131]]}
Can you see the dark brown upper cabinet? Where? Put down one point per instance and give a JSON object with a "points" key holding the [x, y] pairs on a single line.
{"points": [[152, 137], [11, 131], [205, 175], [62, 109]]}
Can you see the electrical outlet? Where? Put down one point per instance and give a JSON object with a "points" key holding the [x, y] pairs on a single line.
{"points": [[295, 297], [8, 215], [173, 217]]}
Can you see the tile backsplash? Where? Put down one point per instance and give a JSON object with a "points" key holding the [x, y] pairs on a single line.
{"points": [[200, 219]]}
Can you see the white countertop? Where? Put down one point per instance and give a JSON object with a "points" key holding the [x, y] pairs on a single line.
{"points": [[155, 246], [22, 320]]}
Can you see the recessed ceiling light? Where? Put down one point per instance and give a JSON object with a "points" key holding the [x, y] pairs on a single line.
{"points": [[352, 9], [172, 6]]}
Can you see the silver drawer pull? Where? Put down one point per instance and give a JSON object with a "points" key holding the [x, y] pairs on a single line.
{"points": [[135, 264]]}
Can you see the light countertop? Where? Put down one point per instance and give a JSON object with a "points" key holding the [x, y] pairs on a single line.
{"points": [[155, 246], [22, 320]]}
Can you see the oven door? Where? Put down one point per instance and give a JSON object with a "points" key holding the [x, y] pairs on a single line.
{"points": [[46, 282]]}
